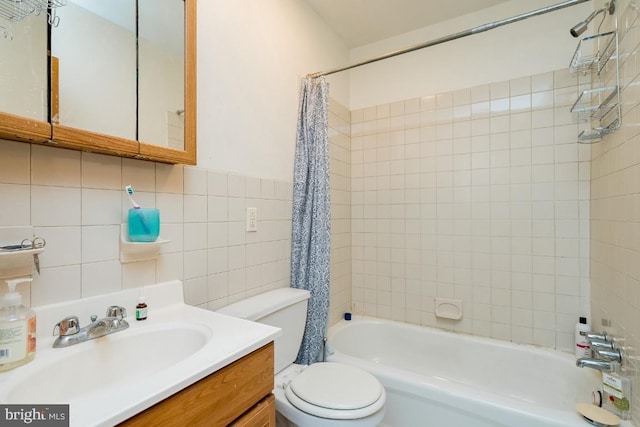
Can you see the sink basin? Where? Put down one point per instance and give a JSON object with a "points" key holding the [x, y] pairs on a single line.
{"points": [[100, 363]]}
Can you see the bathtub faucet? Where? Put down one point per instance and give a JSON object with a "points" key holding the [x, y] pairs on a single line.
{"points": [[607, 357]]}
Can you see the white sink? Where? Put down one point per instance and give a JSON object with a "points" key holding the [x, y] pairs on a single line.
{"points": [[104, 362], [112, 378]]}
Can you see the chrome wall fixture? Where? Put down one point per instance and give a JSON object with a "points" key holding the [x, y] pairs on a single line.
{"points": [[451, 37], [595, 63], [581, 27]]}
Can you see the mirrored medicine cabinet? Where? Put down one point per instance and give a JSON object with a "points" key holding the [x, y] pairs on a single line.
{"points": [[115, 77]]}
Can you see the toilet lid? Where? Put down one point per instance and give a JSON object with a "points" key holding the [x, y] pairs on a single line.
{"points": [[334, 390]]}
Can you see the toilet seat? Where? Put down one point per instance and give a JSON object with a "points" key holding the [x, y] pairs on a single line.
{"points": [[336, 391]]}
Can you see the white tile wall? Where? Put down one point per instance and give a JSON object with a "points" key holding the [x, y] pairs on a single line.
{"points": [[615, 217], [340, 183], [476, 194], [76, 201]]}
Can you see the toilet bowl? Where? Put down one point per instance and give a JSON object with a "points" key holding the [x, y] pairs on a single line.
{"points": [[328, 395], [324, 394]]}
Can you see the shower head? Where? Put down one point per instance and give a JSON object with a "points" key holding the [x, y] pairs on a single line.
{"points": [[581, 27]]}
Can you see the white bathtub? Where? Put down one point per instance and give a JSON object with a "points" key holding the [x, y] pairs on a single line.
{"points": [[438, 378]]}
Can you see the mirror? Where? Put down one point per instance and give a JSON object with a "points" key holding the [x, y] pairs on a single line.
{"points": [[169, 153], [161, 73], [23, 75], [23, 67], [96, 102], [94, 50]]}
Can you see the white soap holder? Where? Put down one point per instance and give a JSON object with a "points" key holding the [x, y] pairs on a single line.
{"points": [[17, 263], [449, 308], [138, 251]]}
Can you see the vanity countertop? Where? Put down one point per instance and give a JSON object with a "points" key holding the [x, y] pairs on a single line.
{"points": [[109, 379]]}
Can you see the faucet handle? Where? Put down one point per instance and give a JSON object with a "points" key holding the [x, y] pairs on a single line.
{"points": [[117, 311], [593, 336], [596, 345], [70, 325], [606, 354]]}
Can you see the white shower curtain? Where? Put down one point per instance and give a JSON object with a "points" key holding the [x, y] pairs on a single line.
{"points": [[310, 235]]}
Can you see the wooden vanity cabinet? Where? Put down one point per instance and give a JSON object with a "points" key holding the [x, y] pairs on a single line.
{"points": [[237, 395], [261, 415]]}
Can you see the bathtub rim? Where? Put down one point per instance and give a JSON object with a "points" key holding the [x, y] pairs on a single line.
{"points": [[556, 354]]}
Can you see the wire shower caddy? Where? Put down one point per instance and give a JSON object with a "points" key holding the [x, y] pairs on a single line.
{"points": [[596, 59]]}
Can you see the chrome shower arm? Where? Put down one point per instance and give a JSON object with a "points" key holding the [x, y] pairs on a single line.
{"points": [[581, 27]]}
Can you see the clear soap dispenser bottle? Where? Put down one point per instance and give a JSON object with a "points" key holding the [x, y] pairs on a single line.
{"points": [[17, 329]]}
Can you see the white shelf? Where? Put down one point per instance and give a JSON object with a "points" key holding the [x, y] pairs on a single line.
{"points": [[595, 104], [138, 251], [593, 53], [593, 135], [18, 262]]}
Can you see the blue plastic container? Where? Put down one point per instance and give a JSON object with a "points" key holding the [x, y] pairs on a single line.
{"points": [[144, 224]]}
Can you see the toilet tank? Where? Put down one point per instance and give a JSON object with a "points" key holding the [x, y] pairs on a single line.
{"points": [[285, 308]]}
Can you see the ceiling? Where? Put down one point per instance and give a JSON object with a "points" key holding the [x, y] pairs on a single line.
{"points": [[360, 22]]}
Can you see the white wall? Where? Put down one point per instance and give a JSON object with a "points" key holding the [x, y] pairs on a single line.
{"points": [[537, 45], [251, 57]]}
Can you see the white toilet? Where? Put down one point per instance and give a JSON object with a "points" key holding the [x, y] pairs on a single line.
{"points": [[324, 394]]}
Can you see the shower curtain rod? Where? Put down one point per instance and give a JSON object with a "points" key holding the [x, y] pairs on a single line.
{"points": [[450, 37]]}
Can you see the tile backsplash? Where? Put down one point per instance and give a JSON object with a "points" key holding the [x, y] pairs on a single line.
{"points": [[76, 201], [481, 195]]}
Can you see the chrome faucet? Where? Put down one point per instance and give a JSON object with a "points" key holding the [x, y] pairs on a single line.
{"points": [[69, 331], [599, 337], [599, 364], [607, 356], [597, 344]]}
